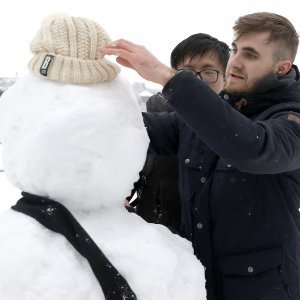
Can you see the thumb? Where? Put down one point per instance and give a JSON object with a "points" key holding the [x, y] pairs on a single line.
{"points": [[124, 62]]}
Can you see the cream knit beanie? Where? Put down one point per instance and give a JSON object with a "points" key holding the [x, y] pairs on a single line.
{"points": [[67, 49]]}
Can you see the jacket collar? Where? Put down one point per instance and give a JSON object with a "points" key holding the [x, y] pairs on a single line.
{"points": [[272, 90]]}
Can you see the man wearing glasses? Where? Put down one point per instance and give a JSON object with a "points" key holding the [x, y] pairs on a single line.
{"points": [[208, 75], [158, 195]]}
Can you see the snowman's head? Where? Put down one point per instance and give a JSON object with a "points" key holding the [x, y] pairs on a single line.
{"points": [[79, 137]]}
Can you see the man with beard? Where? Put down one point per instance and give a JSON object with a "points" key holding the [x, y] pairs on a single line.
{"points": [[244, 214]]}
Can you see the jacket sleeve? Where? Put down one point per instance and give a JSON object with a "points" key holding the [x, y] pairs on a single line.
{"points": [[262, 147], [163, 132]]}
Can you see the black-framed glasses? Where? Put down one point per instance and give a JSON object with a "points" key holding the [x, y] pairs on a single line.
{"points": [[207, 75]]}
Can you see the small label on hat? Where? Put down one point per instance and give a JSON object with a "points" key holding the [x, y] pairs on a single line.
{"points": [[45, 65]]}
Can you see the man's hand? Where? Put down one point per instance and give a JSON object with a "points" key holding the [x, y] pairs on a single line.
{"points": [[128, 206], [139, 59]]}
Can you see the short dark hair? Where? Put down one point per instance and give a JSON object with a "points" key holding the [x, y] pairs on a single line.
{"points": [[197, 45], [282, 32]]}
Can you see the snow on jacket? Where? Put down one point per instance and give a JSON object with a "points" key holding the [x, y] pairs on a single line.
{"points": [[240, 183]]}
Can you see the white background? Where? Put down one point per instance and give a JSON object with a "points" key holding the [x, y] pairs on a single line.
{"points": [[157, 24]]}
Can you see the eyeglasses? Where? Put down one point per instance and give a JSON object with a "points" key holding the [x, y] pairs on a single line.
{"points": [[207, 75]]}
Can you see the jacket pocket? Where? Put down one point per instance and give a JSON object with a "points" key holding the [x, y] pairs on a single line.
{"points": [[254, 275], [252, 263]]}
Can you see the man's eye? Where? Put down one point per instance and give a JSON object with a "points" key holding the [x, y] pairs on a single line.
{"points": [[249, 54], [209, 72]]}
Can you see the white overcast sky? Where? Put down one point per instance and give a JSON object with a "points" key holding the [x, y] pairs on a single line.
{"points": [[157, 24]]}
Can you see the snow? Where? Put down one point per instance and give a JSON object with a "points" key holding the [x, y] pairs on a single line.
{"points": [[82, 145], [8, 193]]}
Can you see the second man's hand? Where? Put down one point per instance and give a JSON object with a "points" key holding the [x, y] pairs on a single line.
{"points": [[140, 59]]}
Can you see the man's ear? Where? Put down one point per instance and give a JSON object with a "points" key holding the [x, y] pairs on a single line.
{"points": [[283, 67]]}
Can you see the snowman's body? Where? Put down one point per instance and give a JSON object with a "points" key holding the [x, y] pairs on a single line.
{"points": [[83, 146]]}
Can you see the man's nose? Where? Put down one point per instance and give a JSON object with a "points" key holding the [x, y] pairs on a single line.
{"points": [[235, 61]]}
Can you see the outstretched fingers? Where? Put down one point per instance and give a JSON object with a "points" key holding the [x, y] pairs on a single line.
{"points": [[140, 59], [119, 47], [124, 50], [124, 44]]}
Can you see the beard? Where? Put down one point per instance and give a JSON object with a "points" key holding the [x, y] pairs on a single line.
{"points": [[237, 89], [233, 89], [261, 85]]}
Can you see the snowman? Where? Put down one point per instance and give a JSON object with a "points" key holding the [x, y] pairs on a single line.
{"points": [[73, 143]]}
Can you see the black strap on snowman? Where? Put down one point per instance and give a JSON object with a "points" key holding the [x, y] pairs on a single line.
{"points": [[57, 218]]}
